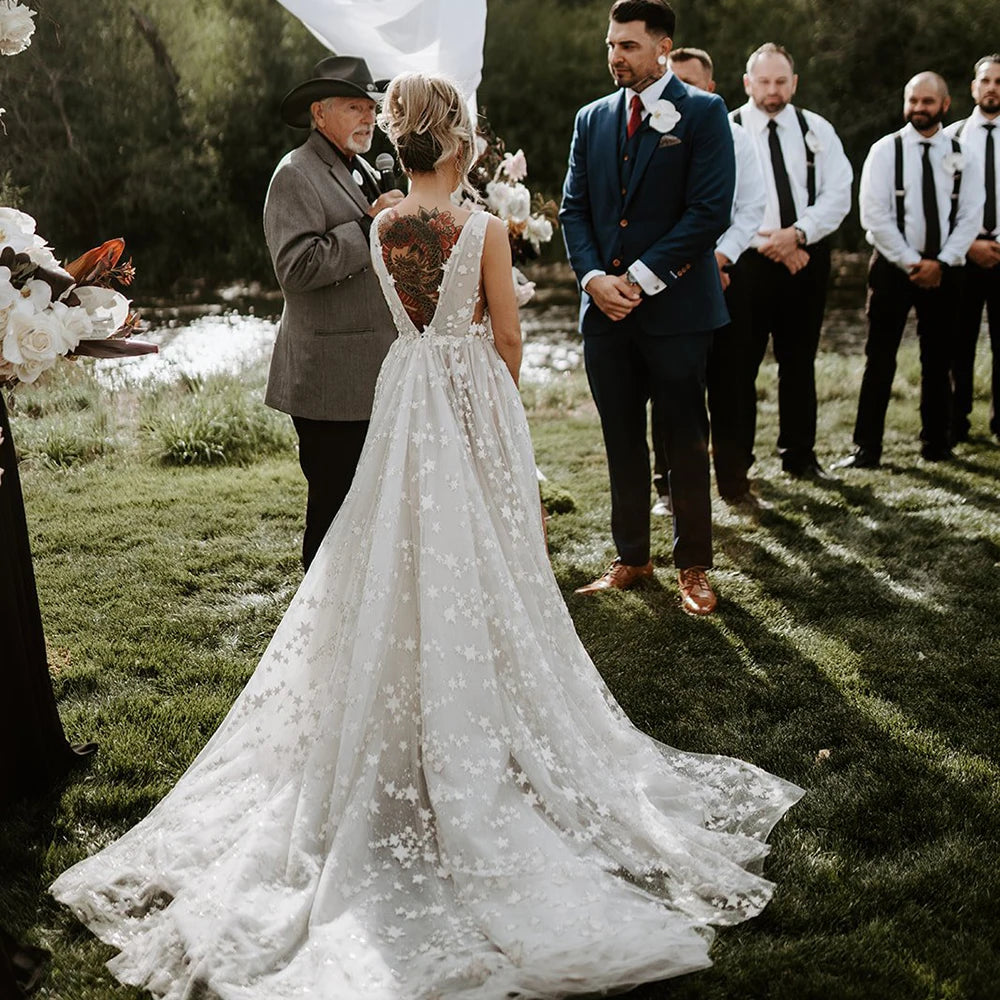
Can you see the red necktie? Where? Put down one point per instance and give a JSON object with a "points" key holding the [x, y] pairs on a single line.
{"points": [[635, 115]]}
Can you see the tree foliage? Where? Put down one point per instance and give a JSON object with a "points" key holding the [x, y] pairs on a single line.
{"points": [[158, 120]]}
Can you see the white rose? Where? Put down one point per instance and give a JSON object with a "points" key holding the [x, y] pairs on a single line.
{"points": [[28, 371], [34, 341], [539, 230], [76, 322], [16, 27], [498, 198], [953, 162], [17, 229], [107, 309], [812, 142], [663, 116], [520, 204]]}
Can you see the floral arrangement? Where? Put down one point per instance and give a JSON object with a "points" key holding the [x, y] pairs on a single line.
{"points": [[497, 176], [16, 27], [48, 311]]}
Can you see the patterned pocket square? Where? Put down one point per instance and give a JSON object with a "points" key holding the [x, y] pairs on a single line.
{"points": [[668, 140]]}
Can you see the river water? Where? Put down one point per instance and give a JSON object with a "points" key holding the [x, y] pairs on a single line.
{"points": [[236, 331]]}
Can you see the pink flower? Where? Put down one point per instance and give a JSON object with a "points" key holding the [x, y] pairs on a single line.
{"points": [[515, 166]]}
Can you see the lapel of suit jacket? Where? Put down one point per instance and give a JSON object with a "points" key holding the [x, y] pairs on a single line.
{"points": [[610, 134], [649, 138], [338, 169]]}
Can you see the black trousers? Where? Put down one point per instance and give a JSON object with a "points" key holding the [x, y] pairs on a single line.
{"points": [[730, 397], [328, 455], [788, 308], [627, 368], [891, 296], [980, 289]]}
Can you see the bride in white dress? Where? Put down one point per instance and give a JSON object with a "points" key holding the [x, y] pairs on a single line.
{"points": [[425, 789]]}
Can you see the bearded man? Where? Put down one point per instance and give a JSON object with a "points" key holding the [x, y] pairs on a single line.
{"points": [[921, 205], [981, 144], [648, 192], [335, 328], [785, 271]]}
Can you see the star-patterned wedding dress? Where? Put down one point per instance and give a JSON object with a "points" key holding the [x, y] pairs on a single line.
{"points": [[426, 790]]}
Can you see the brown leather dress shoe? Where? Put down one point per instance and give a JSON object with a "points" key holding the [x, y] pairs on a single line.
{"points": [[618, 577], [697, 596]]}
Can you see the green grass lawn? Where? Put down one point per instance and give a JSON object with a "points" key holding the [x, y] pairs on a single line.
{"points": [[855, 651]]}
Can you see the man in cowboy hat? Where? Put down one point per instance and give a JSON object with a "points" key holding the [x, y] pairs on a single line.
{"points": [[335, 328]]}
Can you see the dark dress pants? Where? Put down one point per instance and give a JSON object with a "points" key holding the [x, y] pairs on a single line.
{"points": [[626, 369], [328, 455], [729, 398], [981, 288], [891, 296], [789, 309]]}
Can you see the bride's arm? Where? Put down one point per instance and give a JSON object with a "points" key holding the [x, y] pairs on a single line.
{"points": [[498, 290]]}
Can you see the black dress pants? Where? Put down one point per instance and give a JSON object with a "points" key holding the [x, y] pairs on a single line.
{"points": [[627, 368], [981, 288], [328, 455], [788, 308], [891, 296], [730, 397]]}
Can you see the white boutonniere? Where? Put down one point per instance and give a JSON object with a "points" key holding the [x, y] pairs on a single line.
{"points": [[812, 141], [663, 116], [953, 162]]}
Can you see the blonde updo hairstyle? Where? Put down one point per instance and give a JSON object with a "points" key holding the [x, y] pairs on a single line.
{"points": [[428, 122]]}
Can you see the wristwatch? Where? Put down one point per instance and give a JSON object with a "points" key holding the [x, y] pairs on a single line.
{"points": [[631, 278], [800, 237]]}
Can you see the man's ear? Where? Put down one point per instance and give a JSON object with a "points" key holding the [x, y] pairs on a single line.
{"points": [[746, 84]]}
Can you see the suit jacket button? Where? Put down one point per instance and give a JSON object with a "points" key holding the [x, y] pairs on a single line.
{"points": [[624, 191], [616, 263], [625, 157], [623, 223]]}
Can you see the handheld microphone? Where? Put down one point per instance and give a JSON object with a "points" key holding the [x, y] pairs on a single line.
{"points": [[385, 165]]}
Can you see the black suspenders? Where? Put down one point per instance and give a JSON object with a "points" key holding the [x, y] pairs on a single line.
{"points": [[900, 190], [810, 155]]}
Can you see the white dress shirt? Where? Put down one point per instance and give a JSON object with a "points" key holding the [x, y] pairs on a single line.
{"points": [[973, 140], [749, 201], [878, 199], [833, 170], [648, 281]]}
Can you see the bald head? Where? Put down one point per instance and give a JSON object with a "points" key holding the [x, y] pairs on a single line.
{"points": [[928, 80], [925, 102]]}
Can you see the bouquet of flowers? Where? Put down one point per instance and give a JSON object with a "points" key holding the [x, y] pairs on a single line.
{"points": [[497, 176], [48, 310], [16, 27]]}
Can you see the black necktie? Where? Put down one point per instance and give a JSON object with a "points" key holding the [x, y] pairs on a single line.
{"points": [[990, 212], [786, 204], [932, 221]]}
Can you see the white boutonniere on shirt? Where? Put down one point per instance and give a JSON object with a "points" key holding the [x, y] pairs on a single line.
{"points": [[953, 162], [663, 116], [812, 141]]}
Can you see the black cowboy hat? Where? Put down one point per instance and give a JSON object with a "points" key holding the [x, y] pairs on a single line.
{"points": [[334, 76]]}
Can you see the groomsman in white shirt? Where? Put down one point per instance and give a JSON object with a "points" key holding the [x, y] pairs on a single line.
{"points": [[785, 271], [921, 204], [728, 358], [980, 138]]}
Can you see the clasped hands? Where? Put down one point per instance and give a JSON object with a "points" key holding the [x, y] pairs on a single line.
{"points": [[782, 246], [614, 295], [985, 253]]}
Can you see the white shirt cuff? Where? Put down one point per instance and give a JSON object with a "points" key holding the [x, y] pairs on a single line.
{"points": [[648, 281], [589, 275]]}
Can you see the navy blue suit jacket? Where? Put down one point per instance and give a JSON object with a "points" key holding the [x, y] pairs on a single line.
{"points": [[676, 205]]}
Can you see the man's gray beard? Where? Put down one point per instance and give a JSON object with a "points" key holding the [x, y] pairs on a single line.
{"points": [[357, 148]]}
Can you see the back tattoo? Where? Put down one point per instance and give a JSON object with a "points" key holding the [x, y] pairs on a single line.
{"points": [[414, 249]]}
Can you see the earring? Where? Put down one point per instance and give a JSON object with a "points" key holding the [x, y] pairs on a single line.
{"points": [[662, 60]]}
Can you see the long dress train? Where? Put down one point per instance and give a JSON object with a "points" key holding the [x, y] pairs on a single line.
{"points": [[425, 789]]}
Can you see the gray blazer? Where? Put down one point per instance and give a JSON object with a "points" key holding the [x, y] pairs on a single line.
{"points": [[335, 328]]}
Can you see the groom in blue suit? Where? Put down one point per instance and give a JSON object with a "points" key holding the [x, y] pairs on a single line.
{"points": [[648, 192]]}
